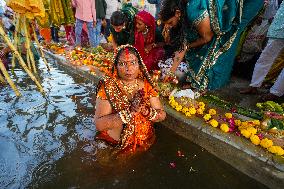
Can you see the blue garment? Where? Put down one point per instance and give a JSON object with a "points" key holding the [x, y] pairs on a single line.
{"points": [[276, 29], [98, 30], [158, 4], [210, 65], [78, 32]]}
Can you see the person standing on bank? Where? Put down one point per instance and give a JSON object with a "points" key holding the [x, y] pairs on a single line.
{"points": [[85, 13], [101, 7]]}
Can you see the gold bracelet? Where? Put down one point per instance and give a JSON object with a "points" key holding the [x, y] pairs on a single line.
{"points": [[171, 74], [153, 114]]}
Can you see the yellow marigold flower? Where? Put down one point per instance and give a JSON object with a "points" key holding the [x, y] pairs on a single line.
{"points": [[252, 130], [245, 133], [212, 112], [276, 150], [255, 139], [256, 122], [172, 104], [213, 123], [206, 117], [224, 127], [238, 122], [172, 98], [175, 104], [199, 111], [187, 114], [201, 104], [243, 125], [266, 143], [178, 108], [184, 110], [228, 115], [192, 111]]}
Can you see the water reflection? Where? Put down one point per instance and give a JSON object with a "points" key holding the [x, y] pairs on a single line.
{"points": [[37, 130], [47, 142]]}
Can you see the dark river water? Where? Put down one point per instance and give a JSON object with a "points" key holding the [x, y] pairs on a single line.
{"points": [[48, 142]]}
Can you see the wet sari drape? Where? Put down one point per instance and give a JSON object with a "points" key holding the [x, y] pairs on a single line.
{"points": [[139, 132], [211, 64], [151, 57]]}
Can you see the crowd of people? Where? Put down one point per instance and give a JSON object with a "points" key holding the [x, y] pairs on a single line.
{"points": [[194, 42]]}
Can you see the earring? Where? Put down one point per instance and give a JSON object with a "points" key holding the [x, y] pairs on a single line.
{"points": [[123, 27], [145, 32]]}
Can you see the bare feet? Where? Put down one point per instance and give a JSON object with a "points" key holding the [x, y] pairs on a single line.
{"points": [[269, 96], [249, 90]]}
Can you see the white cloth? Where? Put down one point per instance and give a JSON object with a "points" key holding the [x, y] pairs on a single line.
{"points": [[278, 87], [112, 6], [265, 61], [165, 67]]}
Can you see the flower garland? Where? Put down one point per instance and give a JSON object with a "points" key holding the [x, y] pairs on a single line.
{"points": [[227, 123]]}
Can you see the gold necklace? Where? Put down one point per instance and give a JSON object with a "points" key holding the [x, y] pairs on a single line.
{"points": [[130, 88]]}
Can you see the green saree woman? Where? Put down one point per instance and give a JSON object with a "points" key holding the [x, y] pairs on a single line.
{"points": [[208, 32]]}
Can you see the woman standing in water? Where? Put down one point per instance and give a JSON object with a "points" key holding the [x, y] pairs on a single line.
{"points": [[206, 34], [127, 105]]}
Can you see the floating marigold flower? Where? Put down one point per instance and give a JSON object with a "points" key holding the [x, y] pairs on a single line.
{"points": [[213, 123], [212, 112], [228, 115], [266, 143], [224, 127], [255, 139], [245, 133], [206, 117]]}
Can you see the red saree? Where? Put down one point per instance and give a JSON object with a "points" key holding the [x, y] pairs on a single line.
{"points": [[151, 56]]}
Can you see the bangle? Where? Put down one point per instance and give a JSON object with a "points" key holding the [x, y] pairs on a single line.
{"points": [[187, 46], [171, 74], [153, 114]]}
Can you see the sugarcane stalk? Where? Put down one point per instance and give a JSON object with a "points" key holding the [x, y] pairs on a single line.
{"points": [[2, 80], [9, 80], [28, 47], [16, 40], [28, 61], [39, 47], [20, 59]]}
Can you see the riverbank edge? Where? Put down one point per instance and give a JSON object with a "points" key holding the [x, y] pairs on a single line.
{"points": [[236, 151]]}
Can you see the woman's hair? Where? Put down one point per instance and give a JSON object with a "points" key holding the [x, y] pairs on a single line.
{"points": [[118, 18], [134, 51], [168, 10]]}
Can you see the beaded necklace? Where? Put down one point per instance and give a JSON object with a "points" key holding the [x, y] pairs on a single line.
{"points": [[130, 88]]}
